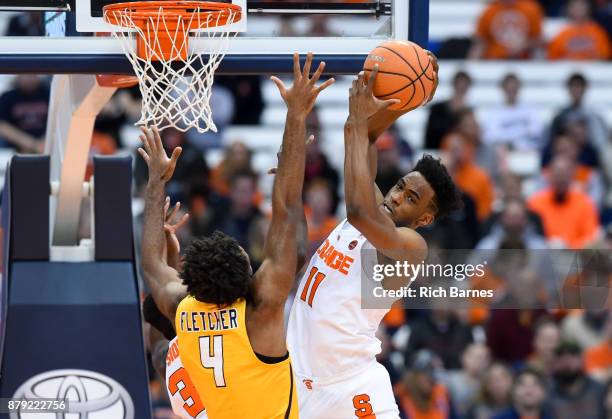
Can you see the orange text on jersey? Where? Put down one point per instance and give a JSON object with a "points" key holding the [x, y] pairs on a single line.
{"points": [[173, 353], [335, 259]]}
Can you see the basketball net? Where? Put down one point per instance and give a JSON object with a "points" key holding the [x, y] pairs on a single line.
{"points": [[175, 81]]}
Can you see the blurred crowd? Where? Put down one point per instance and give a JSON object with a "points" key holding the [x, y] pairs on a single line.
{"points": [[472, 363]]}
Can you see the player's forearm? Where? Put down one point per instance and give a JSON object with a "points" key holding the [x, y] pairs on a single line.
{"points": [[380, 122], [359, 190], [287, 192], [153, 237]]}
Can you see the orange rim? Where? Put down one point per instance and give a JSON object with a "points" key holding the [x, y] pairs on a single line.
{"points": [[210, 14]]}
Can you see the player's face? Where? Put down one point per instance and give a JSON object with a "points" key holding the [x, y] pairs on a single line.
{"points": [[409, 202]]}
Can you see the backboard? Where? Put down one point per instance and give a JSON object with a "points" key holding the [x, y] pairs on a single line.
{"points": [[341, 32]]}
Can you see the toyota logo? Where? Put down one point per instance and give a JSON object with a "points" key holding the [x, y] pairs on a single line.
{"points": [[88, 392]]}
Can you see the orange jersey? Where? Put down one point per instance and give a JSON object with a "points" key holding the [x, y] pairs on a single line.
{"points": [[598, 358], [587, 41], [575, 220], [231, 379], [509, 28]]}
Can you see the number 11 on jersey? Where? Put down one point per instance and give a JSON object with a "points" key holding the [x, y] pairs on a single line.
{"points": [[318, 278]]}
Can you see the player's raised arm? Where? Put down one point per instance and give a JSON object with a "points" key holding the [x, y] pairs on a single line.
{"points": [[162, 280], [363, 207], [275, 278]]}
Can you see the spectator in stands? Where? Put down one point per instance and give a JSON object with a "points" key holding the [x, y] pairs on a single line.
{"points": [[318, 166], [598, 359], [582, 38], [23, 114], [389, 167], [441, 332], [235, 215], [442, 115], [603, 15], [607, 402], [223, 114], [510, 332], [464, 384], [470, 177], [514, 125], [319, 217], [513, 229], [573, 394], [124, 106], [248, 98], [508, 29], [193, 168], [547, 337], [586, 178], [577, 86], [26, 24], [511, 189], [569, 215], [237, 159], [528, 397], [585, 327], [494, 395], [419, 394]]}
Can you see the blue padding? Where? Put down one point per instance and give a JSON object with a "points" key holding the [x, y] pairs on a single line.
{"points": [[418, 22], [82, 316], [118, 64], [81, 283]]}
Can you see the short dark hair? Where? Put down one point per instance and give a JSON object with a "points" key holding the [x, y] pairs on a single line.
{"points": [[577, 78], [215, 270], [510, 77], [462, 74], [241, 174], [447, 196], [534, 373]]}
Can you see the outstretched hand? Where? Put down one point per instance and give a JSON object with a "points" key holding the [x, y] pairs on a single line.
{"points": [[362, 102], [171, 226], [161, 168], [302, 95]]}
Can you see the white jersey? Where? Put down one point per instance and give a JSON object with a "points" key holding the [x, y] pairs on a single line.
{"points": [[329, 334], [184, 398]]}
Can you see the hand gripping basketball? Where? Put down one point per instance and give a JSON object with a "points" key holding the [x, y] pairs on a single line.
{"points": [[362, 102], [160, 166]]}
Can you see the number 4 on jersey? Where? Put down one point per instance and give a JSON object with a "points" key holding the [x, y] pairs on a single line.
{"points": [[318, 278], [212, 357]]}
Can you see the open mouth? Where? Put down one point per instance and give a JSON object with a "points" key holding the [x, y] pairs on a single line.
{"points": [[387, 208]]}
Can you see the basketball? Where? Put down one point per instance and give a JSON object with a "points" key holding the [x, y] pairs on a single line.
{"points": [[405, 72]]}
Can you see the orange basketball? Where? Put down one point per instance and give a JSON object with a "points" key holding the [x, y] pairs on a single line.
{"points": [[405, 72]]}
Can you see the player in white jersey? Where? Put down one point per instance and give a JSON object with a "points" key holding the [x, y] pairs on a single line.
{"points": [[183, 395], [331, 338]]}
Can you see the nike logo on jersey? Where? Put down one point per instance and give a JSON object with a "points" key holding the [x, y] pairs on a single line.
{"points": [[335, 259]]}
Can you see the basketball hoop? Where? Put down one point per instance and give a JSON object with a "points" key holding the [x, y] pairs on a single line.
{"points": [[175, 81]]}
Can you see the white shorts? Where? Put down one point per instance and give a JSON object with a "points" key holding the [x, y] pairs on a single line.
{"points": [[360, 395]]}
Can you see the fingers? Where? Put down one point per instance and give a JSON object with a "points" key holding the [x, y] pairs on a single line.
{"points": [[144, 155], [307, 65], [166, 208], [182, 221], [372, 78], [384, 104], [149, 141], [172, 164], [279, 85], [174, 211], [157, 139], [317, 74], [325, 85], [297, 74]]}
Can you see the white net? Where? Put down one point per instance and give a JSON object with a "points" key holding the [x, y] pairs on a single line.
{"points": [[175, 80]]}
